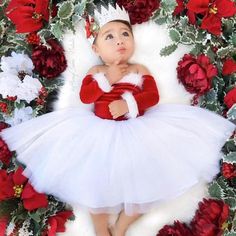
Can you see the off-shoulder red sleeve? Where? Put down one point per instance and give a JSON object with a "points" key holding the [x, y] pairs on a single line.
{"points": [[149, 95], [93, 87]]}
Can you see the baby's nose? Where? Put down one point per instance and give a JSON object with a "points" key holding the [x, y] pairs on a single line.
{"points": [[119, 42]]}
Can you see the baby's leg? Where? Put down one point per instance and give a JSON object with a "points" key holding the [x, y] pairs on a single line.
{"points": [[100, 222], [123, 223]]}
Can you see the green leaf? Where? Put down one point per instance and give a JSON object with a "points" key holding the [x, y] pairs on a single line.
{"points": [[65, 10], [169, 5], [231, 113], [56, 29], [35, 216], [168, 50], [230, 158], [231, 202], [80, 7], [230, 234], [223, 52], [174, 35], [234, 39], [215, 190]]}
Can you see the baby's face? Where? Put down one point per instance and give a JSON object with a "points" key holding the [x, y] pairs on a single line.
{"points": [[114, 42]]}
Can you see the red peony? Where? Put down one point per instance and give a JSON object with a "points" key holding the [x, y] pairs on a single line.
{"points": [[178, 229], [180, 8], [3, 225], [228, 170], [3, 125], [209, 218], [196, 73], [213, 11], [139, 10], [49, 62], [230, 98], [229, 67], [5, 153], [28, 15], [57, 223]]}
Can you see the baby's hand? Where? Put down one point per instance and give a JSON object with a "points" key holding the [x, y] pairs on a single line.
{"points": [[116, 71], [118, 108]]}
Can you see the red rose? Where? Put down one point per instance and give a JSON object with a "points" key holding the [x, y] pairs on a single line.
{"points": [[139, 10], [57, 222], [228, 170], [213, 11], [178, 229], [230, 98], [5, 153], [49, 62], [209, 218], [196, 73], [229, 67], [180, 8], [28, 15]]}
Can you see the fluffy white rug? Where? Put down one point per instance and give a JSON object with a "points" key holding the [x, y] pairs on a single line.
{"points": [[150, 39]]}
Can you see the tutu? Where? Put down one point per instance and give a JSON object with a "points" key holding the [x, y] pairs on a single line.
{"points": [[106, 165]]}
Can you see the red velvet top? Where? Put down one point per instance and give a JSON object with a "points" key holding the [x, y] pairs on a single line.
{"points": [[145, 94]]}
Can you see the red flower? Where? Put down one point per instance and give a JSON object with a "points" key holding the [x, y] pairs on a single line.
{"points": [[228, 170], [57, 222], [49, 62], [209, 218], [33, 200], [139, 10], [28, 15], [178, 229], [196, 73], [213, 12], [180, 8], [33, 38], [230, 98], [3, 107], [3, 225], [12, 186], [5, 153], [3, 125], [229, 67]]}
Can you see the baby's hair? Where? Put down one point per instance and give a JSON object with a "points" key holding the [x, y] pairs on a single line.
{"points": [[121, 21]]}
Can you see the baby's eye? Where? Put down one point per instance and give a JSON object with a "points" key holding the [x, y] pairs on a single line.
{"points": [[125, 33], [109, 36]]}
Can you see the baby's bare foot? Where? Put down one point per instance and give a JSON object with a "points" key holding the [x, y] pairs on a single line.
{"points": [[115, 231]]}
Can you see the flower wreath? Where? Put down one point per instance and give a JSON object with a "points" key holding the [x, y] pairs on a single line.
{"points": [[32, 60]]}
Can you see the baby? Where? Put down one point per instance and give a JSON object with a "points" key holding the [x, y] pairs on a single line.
{"points": [[115, 45]]}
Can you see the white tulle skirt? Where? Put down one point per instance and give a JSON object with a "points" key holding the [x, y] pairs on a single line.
{"points": [[106, 166]]}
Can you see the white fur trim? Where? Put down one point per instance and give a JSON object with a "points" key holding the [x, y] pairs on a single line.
{"points": [[103, 82], [133, 78], [132, 104]]}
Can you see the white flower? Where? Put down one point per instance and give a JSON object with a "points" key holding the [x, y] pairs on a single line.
{"points": [[20, 115], [11, 85], [17, 62], [29, 89]]}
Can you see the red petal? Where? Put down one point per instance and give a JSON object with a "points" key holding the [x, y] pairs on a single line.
{"points": [[18, 177], [229, 67], [33, 200], [226, 8], [200, 6], [212, 23]]}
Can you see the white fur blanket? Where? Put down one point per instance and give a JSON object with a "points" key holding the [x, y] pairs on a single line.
{"points": [[150, 39]]}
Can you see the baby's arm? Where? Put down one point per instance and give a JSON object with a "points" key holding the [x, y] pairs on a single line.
{"points": [[94, 85], [149, 96]]}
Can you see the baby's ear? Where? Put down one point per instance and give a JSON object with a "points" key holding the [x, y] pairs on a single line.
{"points": [[94, 48]]}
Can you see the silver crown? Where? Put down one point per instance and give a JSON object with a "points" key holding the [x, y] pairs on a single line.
{"points": [[110, 14], [93, 24]]}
